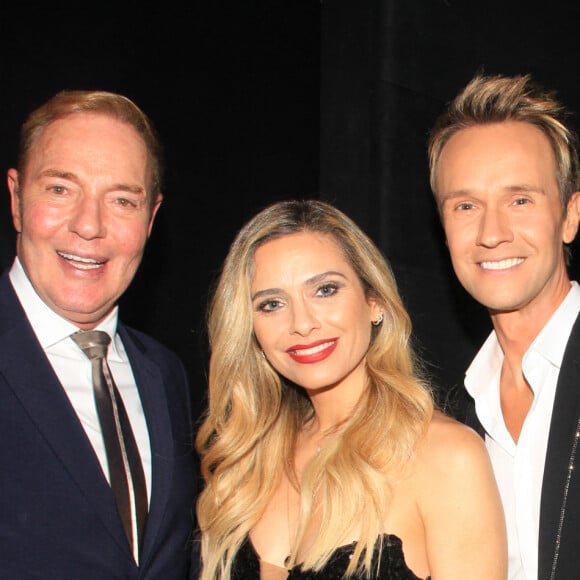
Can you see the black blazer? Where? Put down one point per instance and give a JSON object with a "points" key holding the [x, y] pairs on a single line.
{"points": [[559, 534], [58, 517]]}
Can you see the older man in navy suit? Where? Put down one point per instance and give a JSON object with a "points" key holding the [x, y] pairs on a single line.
{"points": [[84, 197], [505, 172]]}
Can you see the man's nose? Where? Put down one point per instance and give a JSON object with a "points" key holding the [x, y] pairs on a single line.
{"points": [[494, 228], [87, 218]]}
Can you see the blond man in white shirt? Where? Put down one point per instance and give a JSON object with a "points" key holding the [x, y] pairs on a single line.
{"points": [[504, 171]]}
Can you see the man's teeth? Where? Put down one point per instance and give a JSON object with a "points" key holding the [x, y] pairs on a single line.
{"points": [[501, 264], [81, 263]]}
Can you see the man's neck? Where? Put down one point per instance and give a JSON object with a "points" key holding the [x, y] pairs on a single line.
{"points": [[517, 329]]}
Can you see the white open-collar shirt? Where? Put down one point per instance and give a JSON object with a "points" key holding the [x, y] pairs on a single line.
{"points": [[519, 468], [74, 370]]}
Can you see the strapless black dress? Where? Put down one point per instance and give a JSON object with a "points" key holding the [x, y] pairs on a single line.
{"points": [[246, 566]]}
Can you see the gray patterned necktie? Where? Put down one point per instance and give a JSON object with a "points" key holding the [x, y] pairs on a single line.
{"points": [[125, 468]]}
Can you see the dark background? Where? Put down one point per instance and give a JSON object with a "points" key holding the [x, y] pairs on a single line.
{"points": [[261, 100]]}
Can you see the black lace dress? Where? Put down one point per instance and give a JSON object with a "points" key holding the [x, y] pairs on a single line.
{"points": [[392, 565]]}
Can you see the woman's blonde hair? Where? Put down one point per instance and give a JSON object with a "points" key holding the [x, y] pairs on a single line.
{"points": [[247, 438]]}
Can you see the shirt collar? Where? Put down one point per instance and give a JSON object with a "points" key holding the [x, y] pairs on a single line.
{"points": [[49, 327], [485, 366], [550, 344], [552, 339]]}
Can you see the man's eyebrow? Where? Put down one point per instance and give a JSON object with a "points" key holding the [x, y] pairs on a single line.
{"points": [[524, 187], [516, 188], [130, 188], [59, 173], [453, 194]]}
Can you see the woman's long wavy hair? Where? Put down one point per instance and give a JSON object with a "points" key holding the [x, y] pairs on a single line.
{"points": [[246, 441]]}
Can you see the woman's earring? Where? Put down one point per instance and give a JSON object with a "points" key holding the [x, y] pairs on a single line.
{"points": [[378, 321]]}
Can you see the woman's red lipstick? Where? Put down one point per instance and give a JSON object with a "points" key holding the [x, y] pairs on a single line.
{"points": [[313, 352]]}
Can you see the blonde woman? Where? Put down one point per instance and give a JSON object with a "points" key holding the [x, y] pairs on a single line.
{"points": [[321, 450]]}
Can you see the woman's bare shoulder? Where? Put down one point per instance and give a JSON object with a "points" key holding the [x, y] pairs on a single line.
{"points": [[457, 497], [452, 444]]}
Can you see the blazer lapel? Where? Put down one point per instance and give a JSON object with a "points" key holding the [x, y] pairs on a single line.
{"points": [[151, 387], [28, 373], [559, 487]]}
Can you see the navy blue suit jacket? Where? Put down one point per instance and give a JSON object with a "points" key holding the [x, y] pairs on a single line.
{"points": [[559, 538], [58, 517]]}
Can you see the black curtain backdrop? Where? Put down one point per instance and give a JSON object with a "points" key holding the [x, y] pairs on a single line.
{"points": [[388, 67], [233, 89], [261, 100]]}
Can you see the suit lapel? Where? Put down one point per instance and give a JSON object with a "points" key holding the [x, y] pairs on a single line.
{"points": [[27, 371], [41, 394], [150, 382], [561, 458]]}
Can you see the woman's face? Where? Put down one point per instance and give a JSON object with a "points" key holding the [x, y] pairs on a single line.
{"points": [[311, 316]]}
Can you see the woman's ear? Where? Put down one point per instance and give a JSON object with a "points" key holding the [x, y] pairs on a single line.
{"points": [[376, 311]]}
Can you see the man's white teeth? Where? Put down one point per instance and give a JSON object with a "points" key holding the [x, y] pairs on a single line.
{"points": [[501, 264], [81, 263]]}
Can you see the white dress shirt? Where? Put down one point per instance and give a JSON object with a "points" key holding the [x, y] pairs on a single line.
{"points": [[519, 468], [74, 371]]}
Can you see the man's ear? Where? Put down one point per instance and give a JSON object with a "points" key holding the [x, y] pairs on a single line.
{"points": [[572, 219], [14, 188], [154, 209]]}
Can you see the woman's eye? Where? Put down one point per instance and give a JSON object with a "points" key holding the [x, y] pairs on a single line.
{"points": [[327, 290], [269, 305]]}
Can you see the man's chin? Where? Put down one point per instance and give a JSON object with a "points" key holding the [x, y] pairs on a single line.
{"points": [[85, 315]]}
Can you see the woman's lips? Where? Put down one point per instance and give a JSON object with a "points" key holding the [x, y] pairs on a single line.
{"points": [[314, 352]]}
